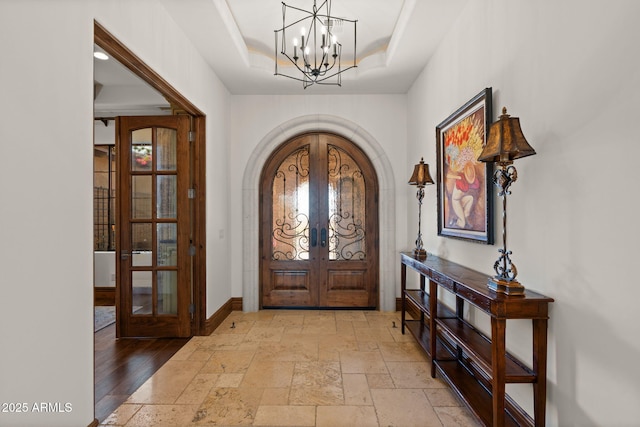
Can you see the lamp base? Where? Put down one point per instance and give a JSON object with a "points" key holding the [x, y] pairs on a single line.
{"points": [[506, 287], [420, 253]]}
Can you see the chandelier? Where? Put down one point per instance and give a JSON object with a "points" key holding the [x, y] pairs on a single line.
{"points": [[309, 40]]}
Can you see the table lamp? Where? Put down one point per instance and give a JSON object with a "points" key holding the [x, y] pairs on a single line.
{"points": [[420, 178], [505, 144]]}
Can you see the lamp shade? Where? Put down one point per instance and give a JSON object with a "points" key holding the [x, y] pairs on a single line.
{"points": [[506, 141], [421, 175]]}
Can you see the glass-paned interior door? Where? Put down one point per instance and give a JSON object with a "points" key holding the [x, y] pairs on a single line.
{"points": [[153, 235]]}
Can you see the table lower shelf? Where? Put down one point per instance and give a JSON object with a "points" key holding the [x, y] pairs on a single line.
{"points": [[478, 345], [478, 398], [420, 332]]}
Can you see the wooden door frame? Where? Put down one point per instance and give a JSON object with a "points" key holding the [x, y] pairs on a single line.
{"points": [[275, 158], [122, 54]]}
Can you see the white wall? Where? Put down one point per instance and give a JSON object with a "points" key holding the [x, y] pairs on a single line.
{"points": [[571, 72], [46, 151], [383, 117], [46, 130]]}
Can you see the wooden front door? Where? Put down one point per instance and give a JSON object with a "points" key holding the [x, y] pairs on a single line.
{"points": [[152, 239], [319, 225]]}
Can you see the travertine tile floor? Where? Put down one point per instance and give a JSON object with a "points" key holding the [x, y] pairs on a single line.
{"points": [[296, 368]]}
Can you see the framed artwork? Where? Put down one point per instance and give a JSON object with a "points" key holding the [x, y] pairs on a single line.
{"points": [[465, 208]]}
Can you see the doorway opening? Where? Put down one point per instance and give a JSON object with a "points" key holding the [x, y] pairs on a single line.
{"points": [[319, 225], [179, 105], [386, 202], [110, 362]]}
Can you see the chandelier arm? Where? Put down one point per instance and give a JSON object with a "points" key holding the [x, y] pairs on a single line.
{"points": [[292, 78], [318, 81], [323, 3], [298, 9], [298, 67], [282, 52], [284, 27], [276, 50], [355, 41], [338, 72]]}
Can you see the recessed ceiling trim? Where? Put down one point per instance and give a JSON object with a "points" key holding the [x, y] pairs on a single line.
{"points": [[233, 29], [401, 26], [409, 41]]}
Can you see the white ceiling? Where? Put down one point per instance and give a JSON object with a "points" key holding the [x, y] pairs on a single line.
{"points": [[395, 39], [119, 92]]}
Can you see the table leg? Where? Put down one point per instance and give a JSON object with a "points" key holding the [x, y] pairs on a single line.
{"points": [[403, 286], [433, 309], [498, 361], [422, 288], [540, 368]]}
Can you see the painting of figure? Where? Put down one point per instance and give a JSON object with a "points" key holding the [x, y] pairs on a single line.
{"points": [[463, 202]]}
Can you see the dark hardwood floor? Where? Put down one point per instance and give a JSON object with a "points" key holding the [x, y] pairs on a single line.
{"points": [[121, 366]]}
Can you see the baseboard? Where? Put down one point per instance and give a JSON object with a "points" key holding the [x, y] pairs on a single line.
{"points": [[216, 319], [104, 295], [236, 304]]}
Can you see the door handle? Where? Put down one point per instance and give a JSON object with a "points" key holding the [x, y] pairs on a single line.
{"points": [[323, 237], [124, 255], [314, 237]]}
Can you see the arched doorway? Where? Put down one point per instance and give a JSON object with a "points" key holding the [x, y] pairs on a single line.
{"points": [[389, 286], [319, 225]]}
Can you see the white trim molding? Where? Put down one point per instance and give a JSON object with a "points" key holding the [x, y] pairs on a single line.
{"points": [[251, 203]]}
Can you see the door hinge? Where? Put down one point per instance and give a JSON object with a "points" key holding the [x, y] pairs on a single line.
{"points": [[191, 193], [192, 250], [192, 136], [192, 308]]}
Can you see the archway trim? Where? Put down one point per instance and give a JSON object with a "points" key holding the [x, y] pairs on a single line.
{"points": [[251, 201]]}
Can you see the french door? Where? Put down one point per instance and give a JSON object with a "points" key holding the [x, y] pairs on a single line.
{"points": [[152, 243], [319, 226]]}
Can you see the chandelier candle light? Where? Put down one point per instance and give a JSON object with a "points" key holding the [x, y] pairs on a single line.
{"points": [[505, 144], [420, 178], [317, 54]]}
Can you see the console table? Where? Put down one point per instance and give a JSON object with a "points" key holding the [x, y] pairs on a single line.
{"points": [[476, 366]]}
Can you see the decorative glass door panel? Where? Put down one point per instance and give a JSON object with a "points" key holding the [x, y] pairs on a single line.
{"points": [[290, 211], [347, 213], [153, 266], [319, 225]]}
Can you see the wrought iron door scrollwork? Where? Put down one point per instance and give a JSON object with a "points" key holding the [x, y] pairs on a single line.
{"points": [[290, 190], [289, 242], [347, 211]]}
